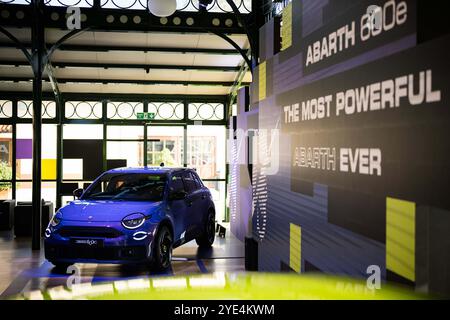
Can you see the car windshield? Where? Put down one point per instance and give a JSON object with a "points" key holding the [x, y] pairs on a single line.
{"points": [[128, 186]]}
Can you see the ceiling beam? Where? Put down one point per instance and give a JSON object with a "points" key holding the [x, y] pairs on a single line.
{"points": [[128, 81], [95, 48], [125, 66], [117, 97]]}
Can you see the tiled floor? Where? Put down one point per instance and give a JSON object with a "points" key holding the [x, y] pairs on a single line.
{"points": [[22, 269]]}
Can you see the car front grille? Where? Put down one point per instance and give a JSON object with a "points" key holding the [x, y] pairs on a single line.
{"points": [[89, 232], [55, 252]]}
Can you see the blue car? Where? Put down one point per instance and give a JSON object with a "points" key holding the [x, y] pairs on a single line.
{"points": [[132, 215]]}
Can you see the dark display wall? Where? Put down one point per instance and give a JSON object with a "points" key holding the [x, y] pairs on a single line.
{"points": [[360, 174]]}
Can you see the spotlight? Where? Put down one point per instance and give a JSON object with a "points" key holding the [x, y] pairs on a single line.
{"points": [[162, 8]]}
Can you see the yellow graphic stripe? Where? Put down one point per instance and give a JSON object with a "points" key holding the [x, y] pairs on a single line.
{"points": [[286, 29], [262, 68], [401, 237], [295, 247]]}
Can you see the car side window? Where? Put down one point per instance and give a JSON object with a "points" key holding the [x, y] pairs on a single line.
{"points": [[191, 186], [176, 183], [197, 181]]}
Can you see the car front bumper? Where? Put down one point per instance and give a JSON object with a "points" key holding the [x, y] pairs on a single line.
{"points": [[115, 244]]}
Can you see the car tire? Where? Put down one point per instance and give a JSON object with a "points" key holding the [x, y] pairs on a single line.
{"points": [[209, 232], [162, 250]]}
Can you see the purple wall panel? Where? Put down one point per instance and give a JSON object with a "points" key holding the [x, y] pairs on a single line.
{"points": [[24, 148]]}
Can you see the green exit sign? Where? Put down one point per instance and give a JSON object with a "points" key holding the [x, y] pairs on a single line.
{"points": [[145, 116]]}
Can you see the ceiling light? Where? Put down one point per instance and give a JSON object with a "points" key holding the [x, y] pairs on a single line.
{"points": [[162, 8]]}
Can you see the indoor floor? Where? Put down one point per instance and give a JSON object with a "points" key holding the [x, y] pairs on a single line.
{"points": [[23, 270]]}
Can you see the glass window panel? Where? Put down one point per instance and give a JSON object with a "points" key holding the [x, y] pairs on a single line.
{"points": [[66, 3], [66, 199], [131, 151], [48, 109], [83, 131], [167, 110], [206, 111], [206, 150], [49, 191], [123, 4], [72, 169], [124, 110], [83, 110], [5, 109], [165, 144], [81, 184], [24, 191], [125, 132], [176, 184], [5, 148], [190, 182], [5, 190], [24, 131], [49, 143], [25, 109], [24, 146]]}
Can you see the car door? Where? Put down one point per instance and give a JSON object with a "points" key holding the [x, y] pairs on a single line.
{"points": [[194, 206], [178, 208], [205, 196]]}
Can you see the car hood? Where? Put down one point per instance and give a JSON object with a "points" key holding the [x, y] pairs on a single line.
{"points": [[105, 211]]}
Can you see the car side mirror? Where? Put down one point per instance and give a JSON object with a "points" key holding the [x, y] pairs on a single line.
{"points": [[180, 195], [78, 193]]}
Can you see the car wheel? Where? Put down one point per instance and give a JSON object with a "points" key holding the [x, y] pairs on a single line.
{"points": [[162, 256], [209, 232]]}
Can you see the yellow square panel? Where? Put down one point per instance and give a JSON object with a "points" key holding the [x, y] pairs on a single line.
{"points": [[401, 237], [295, 247], [48, 169]]}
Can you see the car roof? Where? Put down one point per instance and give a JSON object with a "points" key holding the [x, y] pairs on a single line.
{"points": [[151, 170]]}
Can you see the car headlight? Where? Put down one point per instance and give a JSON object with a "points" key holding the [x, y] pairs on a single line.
{"points": [[133, 221], [55, 220]]}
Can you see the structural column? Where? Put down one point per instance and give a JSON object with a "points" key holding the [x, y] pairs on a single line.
{"points": [[38, 47]]}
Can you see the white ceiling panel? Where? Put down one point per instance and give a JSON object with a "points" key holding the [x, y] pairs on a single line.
{"points": [[12, 54], [23, 35], [133, 58], [217, 60], [74, 56], [9, 71], [151, 39], [53, 35], [143, 89], [23, 86], [207, 90], [212, 76], [213, 41]]}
